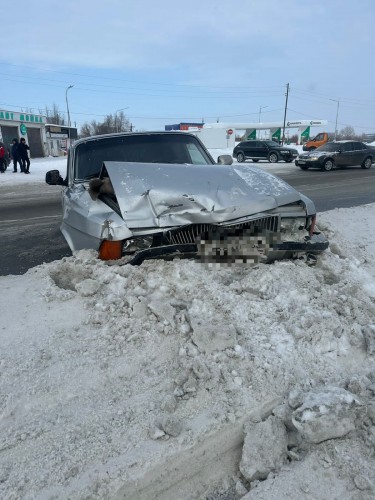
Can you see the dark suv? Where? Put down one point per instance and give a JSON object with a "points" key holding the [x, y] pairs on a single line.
{"points": [[263, 150], [338, 154]]}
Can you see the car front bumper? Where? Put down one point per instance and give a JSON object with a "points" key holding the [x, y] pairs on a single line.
{"points": [[314, 245], [308, 163]]}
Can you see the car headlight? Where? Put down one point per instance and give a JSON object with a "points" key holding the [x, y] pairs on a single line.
{"points": [[133, 245], [314, 158]]}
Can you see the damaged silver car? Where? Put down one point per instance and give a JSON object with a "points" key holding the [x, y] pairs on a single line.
{"points": [[161, 194]]}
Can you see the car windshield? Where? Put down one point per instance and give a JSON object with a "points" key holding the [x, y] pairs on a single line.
{"points": [[329, 146], [143, 148], [272, 144]]}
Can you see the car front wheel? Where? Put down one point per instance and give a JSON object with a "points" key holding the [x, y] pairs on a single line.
{"points": [[328, 165], [273, 158], [240, 157], [367, 163]]}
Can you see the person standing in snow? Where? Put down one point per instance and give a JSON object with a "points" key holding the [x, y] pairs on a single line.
{"points": [[15, 156], [23, 149]]}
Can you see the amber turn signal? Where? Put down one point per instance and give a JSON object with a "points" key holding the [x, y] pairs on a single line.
{"points": [[110, 250]]}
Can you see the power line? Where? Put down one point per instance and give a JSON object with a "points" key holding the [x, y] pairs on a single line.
{"points": [[135, 81]]}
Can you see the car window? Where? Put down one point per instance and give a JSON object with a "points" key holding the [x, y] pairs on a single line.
{"points": [[196, 155], [329, 147], [148, 148], [347, 146], [358, 146], [319, 137]]}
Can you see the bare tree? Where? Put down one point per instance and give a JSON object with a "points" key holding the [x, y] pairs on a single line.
{"points": [[54, 115], [347, 133], [116, 122]]}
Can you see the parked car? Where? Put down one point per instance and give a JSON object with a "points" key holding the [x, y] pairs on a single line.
{"points": [[263, 150], [338, 154], [158, 194]]}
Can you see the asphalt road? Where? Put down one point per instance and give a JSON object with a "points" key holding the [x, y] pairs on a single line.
{"points": [[30, 215]]}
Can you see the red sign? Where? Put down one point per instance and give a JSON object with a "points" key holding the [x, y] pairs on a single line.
{"points": [[230, 131]]}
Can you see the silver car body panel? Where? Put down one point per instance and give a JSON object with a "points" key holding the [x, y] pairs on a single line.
{"points": [[154, 197], [165, 195], [86, 221]]}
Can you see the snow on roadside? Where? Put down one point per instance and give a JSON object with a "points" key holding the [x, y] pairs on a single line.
{"points": [[107, 371], [38, 169]]}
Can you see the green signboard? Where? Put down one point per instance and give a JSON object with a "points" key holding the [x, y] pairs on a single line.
{"points": [[276, 136], [306, 134], [23, 129], [252, 135]]}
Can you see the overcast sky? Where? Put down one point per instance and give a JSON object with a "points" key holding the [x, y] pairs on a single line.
{"points": [[173, 60]]}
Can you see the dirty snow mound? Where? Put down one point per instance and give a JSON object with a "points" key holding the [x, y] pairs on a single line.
{"points": [[109, 371]]}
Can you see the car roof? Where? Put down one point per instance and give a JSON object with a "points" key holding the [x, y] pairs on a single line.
{"points": [[123, 134]]}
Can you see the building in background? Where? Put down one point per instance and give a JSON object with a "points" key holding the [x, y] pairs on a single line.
{"points": [[59, 137], [183, 126], [31, 127]]}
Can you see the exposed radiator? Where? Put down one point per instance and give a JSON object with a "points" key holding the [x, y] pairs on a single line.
{"points": [[188, 234]]}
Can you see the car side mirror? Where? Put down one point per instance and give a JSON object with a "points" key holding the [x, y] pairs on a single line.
{"points": [[339, 151], [225, 160], [53, 178]]}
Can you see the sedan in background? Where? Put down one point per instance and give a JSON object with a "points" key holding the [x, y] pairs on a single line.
{"points": [[338, 154]]}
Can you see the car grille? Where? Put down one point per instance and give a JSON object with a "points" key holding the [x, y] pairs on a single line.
{"points": [[189, 234]]}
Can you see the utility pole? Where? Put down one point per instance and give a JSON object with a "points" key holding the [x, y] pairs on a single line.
{"points": [[286, 107], [337, 114]]}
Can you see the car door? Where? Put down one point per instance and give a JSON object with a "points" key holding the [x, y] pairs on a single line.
{"points": [[251, 149], [352, 154], [359, 152], [262, 150], [345, 157]]}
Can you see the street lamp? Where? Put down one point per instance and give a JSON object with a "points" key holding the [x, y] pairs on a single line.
{"points": [[337, 114], [117, 110], [260, 110], [67, 107], [67, 104]]}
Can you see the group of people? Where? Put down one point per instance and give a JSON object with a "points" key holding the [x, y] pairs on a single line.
{"points": [[20, 155]]}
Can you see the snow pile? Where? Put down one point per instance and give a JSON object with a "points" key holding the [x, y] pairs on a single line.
{"points": [[125, 382]]}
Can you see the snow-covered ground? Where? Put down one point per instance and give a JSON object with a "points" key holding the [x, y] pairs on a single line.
{"points": [[38, 169], [173, 380]]}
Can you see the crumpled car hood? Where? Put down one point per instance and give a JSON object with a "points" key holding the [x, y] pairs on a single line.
{"points": [[166, 195]]}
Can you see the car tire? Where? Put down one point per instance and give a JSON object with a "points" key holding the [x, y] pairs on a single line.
{"points": [[328, 165], [273, 157], [240, 157], [367, 162], [303, 167], [255, 161]]}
